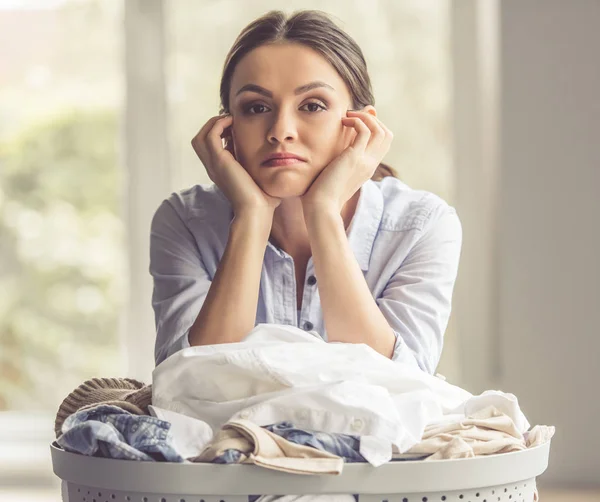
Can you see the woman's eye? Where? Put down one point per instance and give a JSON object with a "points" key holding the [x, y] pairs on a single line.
{"points": [[249, 109], [315, 107], [257, 108]]}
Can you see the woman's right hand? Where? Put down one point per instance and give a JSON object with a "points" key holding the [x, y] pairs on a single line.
{"points": [[226, 172]]}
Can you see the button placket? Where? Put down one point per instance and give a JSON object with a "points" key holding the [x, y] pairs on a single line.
{"points": [[290, 292], [307, 299]]}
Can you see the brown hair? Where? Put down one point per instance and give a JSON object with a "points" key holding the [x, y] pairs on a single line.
{"points": [[314, 29]]}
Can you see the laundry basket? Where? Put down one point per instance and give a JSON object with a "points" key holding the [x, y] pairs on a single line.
{"points": [[506, 477]]}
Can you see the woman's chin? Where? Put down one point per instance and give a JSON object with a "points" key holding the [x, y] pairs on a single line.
{"points": [[283, 189], [285, 192]]}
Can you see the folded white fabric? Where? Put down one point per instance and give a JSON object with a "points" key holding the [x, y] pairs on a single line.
{"points": [[282, 373]]}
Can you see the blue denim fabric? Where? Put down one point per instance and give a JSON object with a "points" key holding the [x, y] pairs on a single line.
{"points": [[230, 456], [110, 431], [342, 445]]}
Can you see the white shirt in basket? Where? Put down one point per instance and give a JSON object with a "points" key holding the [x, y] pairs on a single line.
{"points": [[281, 373]]}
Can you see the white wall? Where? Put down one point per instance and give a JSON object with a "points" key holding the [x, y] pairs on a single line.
{"points": [[549, 223], [543, 340]]}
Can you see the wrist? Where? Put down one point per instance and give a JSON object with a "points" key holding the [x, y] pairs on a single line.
{"points": [[255, 219], [312, 209], [318, 213]]}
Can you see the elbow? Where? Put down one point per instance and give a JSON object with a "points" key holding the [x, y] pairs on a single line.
{"points": [[423, 359], [166, 350]]}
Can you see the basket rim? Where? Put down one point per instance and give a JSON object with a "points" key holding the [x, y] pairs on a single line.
{"points": [[411, 476]]}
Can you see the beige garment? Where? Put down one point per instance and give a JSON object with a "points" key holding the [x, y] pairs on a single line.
{"points": [[540, 434], [261, 447], [126, 393], [486, 432]]}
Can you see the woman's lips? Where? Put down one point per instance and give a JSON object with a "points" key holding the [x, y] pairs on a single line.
{"points": [[281, 162]]}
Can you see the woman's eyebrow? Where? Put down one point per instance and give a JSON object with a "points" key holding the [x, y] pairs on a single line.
{"points": [[299, 90]]}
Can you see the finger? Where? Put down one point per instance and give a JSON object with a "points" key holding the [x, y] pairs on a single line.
{"points": [[228, 144], [373, 123], [228, 139], [204, 150], [217, 132], [363, 132], [381, 137], [389, 135], [199, 142], [201, 134]]}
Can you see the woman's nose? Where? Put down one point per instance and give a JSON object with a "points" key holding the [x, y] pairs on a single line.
{"points": [[283, 128]]}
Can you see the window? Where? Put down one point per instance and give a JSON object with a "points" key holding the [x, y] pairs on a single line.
{"points": [[62, 254]]}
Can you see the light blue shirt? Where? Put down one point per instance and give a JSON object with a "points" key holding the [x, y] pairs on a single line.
{"points": [[407, 243]]}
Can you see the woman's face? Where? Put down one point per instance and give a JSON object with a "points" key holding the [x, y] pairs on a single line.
{"points": [[274, 116]]}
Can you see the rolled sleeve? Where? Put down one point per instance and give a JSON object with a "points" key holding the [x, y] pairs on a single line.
{"points": [[180, 279], [417, 300]]}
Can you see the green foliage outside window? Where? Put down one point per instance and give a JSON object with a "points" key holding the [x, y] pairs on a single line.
{"points": [[61, 258]]}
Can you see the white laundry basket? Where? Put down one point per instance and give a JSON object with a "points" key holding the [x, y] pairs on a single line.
{"points": [[507, 477]]}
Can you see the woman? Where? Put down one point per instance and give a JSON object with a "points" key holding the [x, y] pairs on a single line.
{"points": [[304, 225]]}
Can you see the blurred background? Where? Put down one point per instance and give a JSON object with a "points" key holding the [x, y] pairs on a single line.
{"points": [[493, 104]]}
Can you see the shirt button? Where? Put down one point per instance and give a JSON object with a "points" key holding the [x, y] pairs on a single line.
{"points": [[245, 414], [357, 424], [308, 325], [312, 280]]}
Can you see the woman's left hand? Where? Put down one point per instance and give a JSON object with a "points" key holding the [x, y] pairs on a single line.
{"points": [[343, 176]]}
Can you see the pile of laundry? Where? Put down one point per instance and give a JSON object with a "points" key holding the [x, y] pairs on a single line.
{"points": [[286, 400]]}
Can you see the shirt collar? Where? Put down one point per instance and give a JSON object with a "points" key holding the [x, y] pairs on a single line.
{"points": [[365, 223], [363, 227]]}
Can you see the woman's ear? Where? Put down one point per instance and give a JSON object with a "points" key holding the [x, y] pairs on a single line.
{"points": [[370, 109]]}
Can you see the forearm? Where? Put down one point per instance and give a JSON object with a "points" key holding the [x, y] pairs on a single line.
{"points": [[229, 310], [349, 309]]}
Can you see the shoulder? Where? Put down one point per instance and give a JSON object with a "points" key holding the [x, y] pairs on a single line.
{"points": [[198, 201], [203, 202], [405, 208]]}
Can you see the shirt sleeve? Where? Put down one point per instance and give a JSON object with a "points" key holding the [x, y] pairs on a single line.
{"points": [[180, 279], [417, 300]]}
